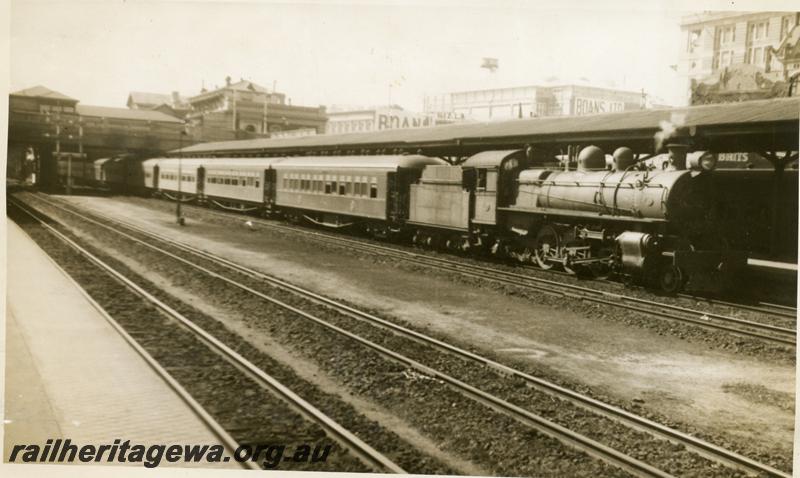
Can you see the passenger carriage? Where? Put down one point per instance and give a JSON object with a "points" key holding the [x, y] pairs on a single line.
{"points": [[242, 184], [343, 191], [177, 179]]}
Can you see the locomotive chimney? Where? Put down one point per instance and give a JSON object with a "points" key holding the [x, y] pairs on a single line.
{"points": [[677, 155]]}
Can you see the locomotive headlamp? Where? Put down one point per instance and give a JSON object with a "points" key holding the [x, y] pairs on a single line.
{"points": [[701, 160]]}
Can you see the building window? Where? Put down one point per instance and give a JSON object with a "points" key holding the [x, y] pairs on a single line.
{"points": [[787, 23], [725, 59], [728, 34], [694, 40]]}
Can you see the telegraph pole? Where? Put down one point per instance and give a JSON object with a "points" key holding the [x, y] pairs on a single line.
{"points": [[178, 213]]}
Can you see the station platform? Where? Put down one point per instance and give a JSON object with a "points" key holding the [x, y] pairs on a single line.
{"points": [[70, 375]]}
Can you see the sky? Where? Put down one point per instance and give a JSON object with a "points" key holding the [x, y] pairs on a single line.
{"points": [[343, 53]]}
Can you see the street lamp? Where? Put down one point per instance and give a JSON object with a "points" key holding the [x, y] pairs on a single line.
{"points": [[178, 214]]}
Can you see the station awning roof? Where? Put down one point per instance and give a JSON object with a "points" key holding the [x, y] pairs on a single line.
{"points": [[757, 120]]}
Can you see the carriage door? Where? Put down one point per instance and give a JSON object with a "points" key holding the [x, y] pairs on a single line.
{"points": [[155, 176], [269, 187], [394, 209], [201, 182]]}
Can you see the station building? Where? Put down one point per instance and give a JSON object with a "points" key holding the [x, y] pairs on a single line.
{"points": [[45, 125], [533, 101], [245, 110], [734, 56]]}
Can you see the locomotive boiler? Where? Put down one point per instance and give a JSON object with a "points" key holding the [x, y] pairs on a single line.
{"points": [[653, 226]]}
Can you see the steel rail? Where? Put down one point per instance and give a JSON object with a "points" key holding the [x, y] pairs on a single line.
{"points": [[778, 310], [761, 308], [781, 310], [785, 336], [564, 435], [347, 439], [701, 447], [213, 426]]}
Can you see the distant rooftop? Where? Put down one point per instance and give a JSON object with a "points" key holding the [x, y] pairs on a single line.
{"points": [[154, 99], [710, 16], [125, 113], [242, 85], [40, 91]]}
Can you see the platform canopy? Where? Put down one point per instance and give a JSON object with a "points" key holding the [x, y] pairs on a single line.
{"points": [[765, 125]]}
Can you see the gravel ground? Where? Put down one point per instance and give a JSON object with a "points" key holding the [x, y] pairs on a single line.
{"points": [[502, 444], [716, 339], [668, 457], [252, 416]]}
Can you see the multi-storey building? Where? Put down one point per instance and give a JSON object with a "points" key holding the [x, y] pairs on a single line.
{"points": [[739, 55], [245, 110], [533, 101]]}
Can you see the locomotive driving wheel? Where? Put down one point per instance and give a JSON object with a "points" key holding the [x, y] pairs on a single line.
{"points": [[547, 244]]}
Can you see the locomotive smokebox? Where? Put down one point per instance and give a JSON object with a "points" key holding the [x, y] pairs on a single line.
{"points": [[677, 155], [591, 158], [623, 158]]}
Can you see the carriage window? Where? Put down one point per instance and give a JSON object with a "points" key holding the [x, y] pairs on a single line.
{"points": [[227, 180], [349, 188], [481, 180], [333, 187], [357, 190], [342, 189], [327, 187], [257, 183], [373, 191]]}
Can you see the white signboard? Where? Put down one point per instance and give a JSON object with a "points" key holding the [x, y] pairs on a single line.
{"points": [[588, 106]]}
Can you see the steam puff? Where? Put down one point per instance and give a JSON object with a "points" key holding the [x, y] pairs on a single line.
{"points": [[668, 128]]}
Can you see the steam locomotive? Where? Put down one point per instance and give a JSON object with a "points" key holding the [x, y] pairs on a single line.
{"points": [[613, 216]]}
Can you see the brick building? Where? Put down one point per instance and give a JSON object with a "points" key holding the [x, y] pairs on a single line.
{"points": [[246, 110], [44, 124]]}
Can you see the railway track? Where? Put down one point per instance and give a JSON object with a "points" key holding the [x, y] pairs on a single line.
{"points": [[591, 447], [778, 334], [767, 309], [358, 448]]}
